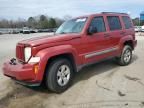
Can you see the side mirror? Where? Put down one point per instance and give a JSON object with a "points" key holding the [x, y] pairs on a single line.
{"points": [[92, 30]]}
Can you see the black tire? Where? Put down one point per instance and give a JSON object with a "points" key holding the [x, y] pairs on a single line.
{"points": [[52, 78], [122, 59]]}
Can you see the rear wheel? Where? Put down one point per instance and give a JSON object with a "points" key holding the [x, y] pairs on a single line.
{"points": [[126, 56], [59, 75]]}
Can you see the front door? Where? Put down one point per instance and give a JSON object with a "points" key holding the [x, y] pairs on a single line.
{"points": [[96, 44]]}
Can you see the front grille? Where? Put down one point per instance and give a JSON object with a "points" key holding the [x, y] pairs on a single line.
{"points": [[20, 52]]}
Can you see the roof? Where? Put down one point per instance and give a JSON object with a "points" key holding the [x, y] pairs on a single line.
{"points": [[113, 13], [107, 13]]}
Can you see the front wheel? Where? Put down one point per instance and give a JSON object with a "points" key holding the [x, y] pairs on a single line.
{"points": [[59, 75], [126, 56]]}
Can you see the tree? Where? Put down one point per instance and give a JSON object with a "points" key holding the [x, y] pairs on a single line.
{"points": [[4, 23], [21, 23], [31, 22], [39, 22], [52, 23], [43, 22], [58, 21], [136, 22], [43, 18]]}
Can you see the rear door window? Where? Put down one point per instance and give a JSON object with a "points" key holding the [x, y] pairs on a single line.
{"points": [[127, 22], [114, 23]]}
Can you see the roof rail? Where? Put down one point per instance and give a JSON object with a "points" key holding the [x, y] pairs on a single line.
{"points": [[113, 13]]}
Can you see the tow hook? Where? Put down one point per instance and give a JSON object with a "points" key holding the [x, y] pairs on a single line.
{"points": [[13, 61]]}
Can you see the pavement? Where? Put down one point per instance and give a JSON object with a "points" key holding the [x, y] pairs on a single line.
{"points": [[102, 85]]}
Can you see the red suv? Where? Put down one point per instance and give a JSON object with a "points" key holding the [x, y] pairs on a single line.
{"points": [[78, 42]]}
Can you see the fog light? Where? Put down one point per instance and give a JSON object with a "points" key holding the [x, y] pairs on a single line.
{"points": [[36, 69]]}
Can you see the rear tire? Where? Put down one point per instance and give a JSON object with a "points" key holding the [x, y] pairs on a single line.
{"points": [[59, 75], [126, 56]]}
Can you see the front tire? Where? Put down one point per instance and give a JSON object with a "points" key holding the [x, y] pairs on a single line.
{"points": [[59, 75], [126, 56]]}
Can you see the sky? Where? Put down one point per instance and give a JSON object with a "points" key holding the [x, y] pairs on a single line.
{"points": [[14, 9]]}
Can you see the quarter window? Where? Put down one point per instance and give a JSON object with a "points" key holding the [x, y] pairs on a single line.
{"points": [[114, 23], [98, 24], [127, 22]]}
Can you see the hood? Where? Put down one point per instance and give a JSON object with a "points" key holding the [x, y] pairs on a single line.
{"points": [[48, 39]]}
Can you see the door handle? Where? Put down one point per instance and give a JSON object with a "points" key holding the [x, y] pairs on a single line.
{"points": [[106, 35], [122, 33]]}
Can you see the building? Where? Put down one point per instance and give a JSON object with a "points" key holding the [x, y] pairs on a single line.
{"points": [[142, 18]]}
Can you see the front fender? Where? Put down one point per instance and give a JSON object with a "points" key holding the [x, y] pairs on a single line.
{"points": [[47, 53]]}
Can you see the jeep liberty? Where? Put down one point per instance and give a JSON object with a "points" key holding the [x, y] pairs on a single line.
{"points": [[76, 43]]}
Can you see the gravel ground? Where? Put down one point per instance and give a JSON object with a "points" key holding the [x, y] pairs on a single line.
{"points": [[102, 85]]}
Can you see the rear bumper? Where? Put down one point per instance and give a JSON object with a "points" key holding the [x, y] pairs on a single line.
{"points": [[21, 73]]}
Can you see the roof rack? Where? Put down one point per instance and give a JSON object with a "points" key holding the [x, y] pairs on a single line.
{"points": [[113, 13]]}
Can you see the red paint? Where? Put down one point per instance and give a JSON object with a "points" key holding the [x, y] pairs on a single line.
{"points": [[78, 45]]}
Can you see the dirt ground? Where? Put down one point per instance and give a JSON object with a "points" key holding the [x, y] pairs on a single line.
{"points": [[102, 85]]}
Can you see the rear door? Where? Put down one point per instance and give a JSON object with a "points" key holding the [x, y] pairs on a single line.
{"points": [[115, 30]]}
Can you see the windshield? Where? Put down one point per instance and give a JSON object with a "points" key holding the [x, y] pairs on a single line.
{"points": [[72, 26]]}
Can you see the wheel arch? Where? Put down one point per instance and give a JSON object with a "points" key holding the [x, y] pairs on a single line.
{"points": [[130, 43], [127, 40], [68, 56], [50, 54]]}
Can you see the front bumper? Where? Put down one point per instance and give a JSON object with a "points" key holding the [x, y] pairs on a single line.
{"points": [[21, 73]]}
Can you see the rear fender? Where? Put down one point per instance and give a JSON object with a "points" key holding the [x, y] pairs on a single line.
{"points": [[123, 40]]}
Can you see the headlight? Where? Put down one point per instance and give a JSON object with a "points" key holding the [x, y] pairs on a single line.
{"points": [[27, 53]]}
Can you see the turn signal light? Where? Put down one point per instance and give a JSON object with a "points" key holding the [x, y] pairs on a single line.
{"points": [[36, 69]]}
